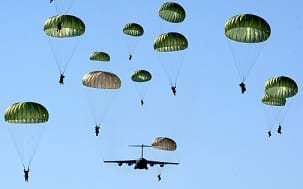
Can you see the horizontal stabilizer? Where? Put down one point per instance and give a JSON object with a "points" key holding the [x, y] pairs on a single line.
{"points": [[139, 145]]}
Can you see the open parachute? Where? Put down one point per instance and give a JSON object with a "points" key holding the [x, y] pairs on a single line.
{"points": [[133, 32], [141, 76], [26, 124], [247, 28], [170, 47], [164, 143], [100, 88], [172, 12], [246, 34], [277, 91], [141, 80], [133, 29], [71, 26], [101, 80], [281, 87], [100, 56], [273, 101], [63, 33], [169, 42]]}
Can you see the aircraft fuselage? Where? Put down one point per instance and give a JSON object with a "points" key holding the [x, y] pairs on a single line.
{"points": [[141, 164]]}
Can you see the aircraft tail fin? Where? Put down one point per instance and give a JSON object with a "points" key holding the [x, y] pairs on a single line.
{"points": [[141, 146]]}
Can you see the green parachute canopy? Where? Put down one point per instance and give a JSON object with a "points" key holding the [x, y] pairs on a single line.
{"points": [[133, 29], [141, 76], [247, 28], [172, 12], [281, 87], [100, 56], [71, 26], [164, 143], [101, 80], [171, 41], [26, 112], [273, 101]]}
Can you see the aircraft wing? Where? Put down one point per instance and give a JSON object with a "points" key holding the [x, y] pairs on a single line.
{"points": [[161, 163], [120, 162]]}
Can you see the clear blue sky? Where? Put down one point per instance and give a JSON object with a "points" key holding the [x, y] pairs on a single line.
{"points": [[221, 134]]}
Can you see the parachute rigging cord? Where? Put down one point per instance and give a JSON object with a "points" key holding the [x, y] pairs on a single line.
{"points": [[71, 56], [26, 149], [64, 11], [141, 80], [131, 45], [36, 146], [173, 81], [93, 110], [26, 123], [20, 151], [279, 117], [63, 64], [271, 122], [179, 69], [54, 55], [141, 93], [97, 110], [253, 62], [133, 33], [242, 74], [286, 111], [165, 70]]}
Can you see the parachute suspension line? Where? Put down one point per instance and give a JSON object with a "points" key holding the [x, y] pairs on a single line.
{"points": [[240, 74], [127, 45], [57, 9], [249, 70], [131, 44], [286, 111], [15, 136], [269, 123], [70, 57], [179, 68], [280, 116], [135, 47], [36, 142], [70, 7], [144, 93], [97, 118], [54, 55], [64, 11], [277, 118], [25, 134], [165, 71], [253, 63], [91, 109], [141, 93]]}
